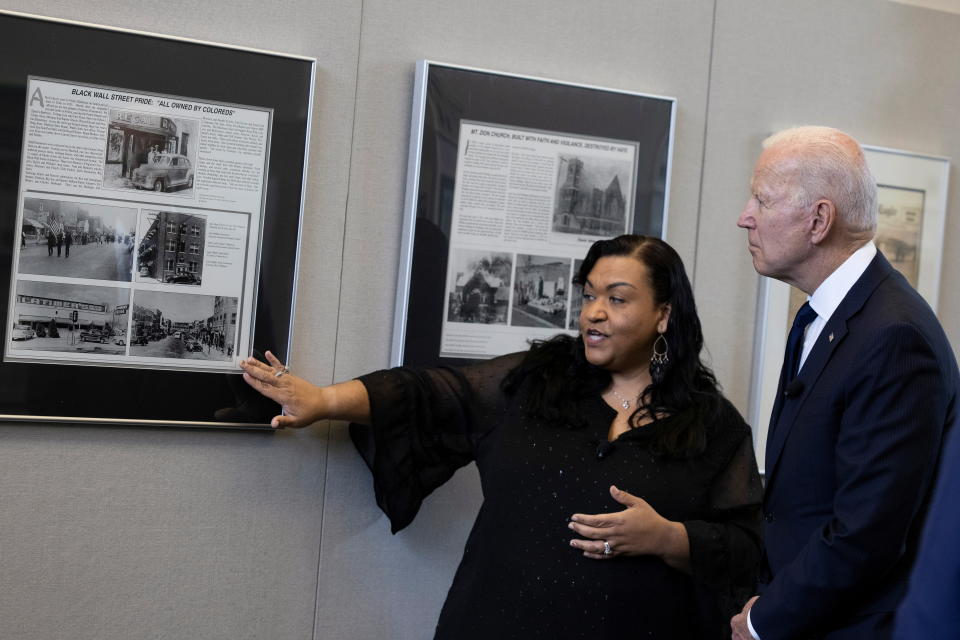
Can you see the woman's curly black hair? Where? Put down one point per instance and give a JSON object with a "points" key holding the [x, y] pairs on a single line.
{"points": [[556, 375]]}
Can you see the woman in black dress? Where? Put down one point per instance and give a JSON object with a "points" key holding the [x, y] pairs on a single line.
{"points": [[627, 402]]}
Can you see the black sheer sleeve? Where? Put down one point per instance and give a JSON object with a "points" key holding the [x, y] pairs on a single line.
{"points": [[426, 424], [725, 545]]}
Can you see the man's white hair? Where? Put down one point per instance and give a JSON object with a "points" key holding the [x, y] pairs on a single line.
{"points": [[830, 164]]}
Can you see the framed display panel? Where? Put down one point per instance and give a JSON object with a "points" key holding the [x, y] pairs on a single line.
{"points": [[151, 194], [912, 201], [509, 180]]}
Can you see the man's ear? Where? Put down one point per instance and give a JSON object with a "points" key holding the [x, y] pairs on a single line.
{"points": [[822, 221]]}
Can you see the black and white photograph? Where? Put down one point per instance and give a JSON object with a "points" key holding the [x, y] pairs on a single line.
{"points": [[540, 292], [481, 287], [83, 121], [171, 248], [182, 325], [77, 240], [900, 228], [576, 298], [150, 151], [591, 196], [54, 316], [595, 164]]}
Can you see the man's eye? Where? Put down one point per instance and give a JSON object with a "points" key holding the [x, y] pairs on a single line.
{"points": [[616, 300], [587, 296], [760, 200]]}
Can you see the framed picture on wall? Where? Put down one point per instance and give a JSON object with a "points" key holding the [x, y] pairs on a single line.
{"points": [[510, 179], [149, 222], [912, 201]]}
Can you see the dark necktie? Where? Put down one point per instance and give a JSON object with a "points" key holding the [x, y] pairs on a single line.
{"points": [[791, 357], [791, 362]]}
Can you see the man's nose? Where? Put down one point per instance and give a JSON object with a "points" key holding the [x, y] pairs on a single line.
{"points": [[745, 221]]}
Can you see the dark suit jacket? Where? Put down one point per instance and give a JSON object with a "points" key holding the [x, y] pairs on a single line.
{"points": [[931, 610], [851, 460]]}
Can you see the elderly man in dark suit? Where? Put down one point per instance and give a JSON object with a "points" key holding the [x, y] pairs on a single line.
{"points": [[868, 391]]}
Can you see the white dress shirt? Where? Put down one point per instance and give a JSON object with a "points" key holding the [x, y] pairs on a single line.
{"points": [[831, 293], [825, 301]]}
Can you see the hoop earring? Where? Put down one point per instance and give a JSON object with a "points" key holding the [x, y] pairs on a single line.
{"points": [[660, 360]]}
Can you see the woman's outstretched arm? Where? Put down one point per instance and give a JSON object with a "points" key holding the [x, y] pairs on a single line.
{"points": [[304, 403]]}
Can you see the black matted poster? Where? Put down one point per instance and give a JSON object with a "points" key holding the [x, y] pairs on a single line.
{"points": [[509, 181], [150, 205]]}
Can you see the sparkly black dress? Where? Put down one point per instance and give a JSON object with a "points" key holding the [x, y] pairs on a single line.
{"points": [[519, 578]]}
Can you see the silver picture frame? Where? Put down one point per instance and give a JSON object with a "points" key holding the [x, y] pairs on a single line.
{"points": [[449, 97]]}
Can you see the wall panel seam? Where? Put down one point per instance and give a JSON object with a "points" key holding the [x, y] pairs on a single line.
{"points": [[703, 148], [336, 329]]}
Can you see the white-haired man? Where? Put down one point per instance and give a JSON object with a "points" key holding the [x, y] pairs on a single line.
{"points": [[868, 390]]}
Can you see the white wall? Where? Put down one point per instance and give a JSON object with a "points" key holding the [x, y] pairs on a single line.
{"points": [[116, 533]]}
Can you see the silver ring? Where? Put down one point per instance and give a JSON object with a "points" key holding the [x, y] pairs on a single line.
{"points": [[607, 549], [281, 372]]}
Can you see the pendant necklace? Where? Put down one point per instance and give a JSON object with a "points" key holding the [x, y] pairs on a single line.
{"points": [[623, 401]]}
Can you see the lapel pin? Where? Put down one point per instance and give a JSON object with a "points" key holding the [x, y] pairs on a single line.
{"points": [[830, 338]]}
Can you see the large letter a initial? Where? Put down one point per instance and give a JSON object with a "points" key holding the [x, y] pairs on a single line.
{"points": [[36, 97]]}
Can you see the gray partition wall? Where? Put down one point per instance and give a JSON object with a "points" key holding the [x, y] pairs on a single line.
{"points": [[117, 533]]}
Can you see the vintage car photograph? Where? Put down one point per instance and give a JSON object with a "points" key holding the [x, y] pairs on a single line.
{"points": [[150, 151], [184, 278], [23, 332], [164, 171], [95, 334]]}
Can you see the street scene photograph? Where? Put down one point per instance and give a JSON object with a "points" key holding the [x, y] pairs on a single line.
{"points": [[540, 291], [76, 240], [576, 298], [481, 286], [183, 326], [899, 228], [590, 196], [171, 248], [150, 151], [52, 316]]}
